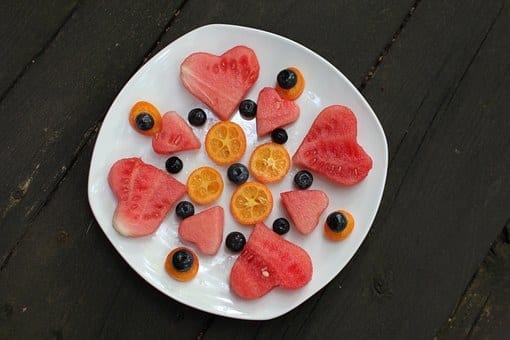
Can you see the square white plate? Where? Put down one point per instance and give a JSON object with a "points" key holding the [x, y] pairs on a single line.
{"points": [[158, 82]]}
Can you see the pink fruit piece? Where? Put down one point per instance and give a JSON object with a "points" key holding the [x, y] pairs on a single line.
{"points": [[175, 135], [145, 195], [330, 147], [273, 111], [267, 261], [333, 122], [221, 82], [205, 230], [304, 208]]}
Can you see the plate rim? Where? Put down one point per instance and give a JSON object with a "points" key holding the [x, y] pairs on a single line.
{"points": [[360, 96]]}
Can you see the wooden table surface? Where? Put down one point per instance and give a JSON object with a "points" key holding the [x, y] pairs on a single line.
{"points": [[437, 259]]}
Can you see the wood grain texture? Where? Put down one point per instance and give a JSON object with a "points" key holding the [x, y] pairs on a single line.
{"points": [[63, 97]]}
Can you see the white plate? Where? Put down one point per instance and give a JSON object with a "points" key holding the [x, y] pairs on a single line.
{"points": [[158, 82]]}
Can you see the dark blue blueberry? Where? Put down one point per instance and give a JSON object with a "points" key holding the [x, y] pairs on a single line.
{"points": [[235, 241], [173, 165], [144, 121], [281, 226], [248, 109], [336, 221], [182, 260], [286, 79], [303, 179], [279, 136], [238, 173], [197, 117], [184, 209]]}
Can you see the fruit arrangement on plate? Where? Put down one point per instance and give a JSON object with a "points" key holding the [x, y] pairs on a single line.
{"points": [[146, 194]]}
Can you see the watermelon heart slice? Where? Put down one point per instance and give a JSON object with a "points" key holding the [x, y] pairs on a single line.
{"points": [[304, 208], [267, 261], [221, 82], [204, 229], [145, 195], [330, 147], [175, 135], [273, 111]]}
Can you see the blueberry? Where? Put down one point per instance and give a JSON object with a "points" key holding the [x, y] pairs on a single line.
{"points": [[336, 221], [279, 136], [286, 79], [235, 241], [144, 121], [303, 179], [281, 226], [184, 209], [182, 260], [173, 165], [238, 173], [248, 109], [197, 117]]}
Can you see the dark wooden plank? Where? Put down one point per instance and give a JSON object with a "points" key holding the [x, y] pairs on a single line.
{"points": [[63, 96], [27, 28], [441, 95], [484, 309]]}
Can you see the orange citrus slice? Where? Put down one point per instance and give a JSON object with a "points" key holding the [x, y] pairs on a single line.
{"points": [[225, 143], [145, 118], [251, 203], [205, 185], [269, 162], [295, 91]]}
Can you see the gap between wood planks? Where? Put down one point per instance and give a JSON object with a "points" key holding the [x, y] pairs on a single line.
{"points": [[39, 53], [471, 316], [371, 72]]}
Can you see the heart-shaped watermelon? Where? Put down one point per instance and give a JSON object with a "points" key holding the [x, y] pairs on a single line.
{"points": [[145, 195], [273, 111], [221, 82], [331, 149], [267, 261]]}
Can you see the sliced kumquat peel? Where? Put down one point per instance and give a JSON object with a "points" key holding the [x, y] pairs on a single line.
{"points": [[251, 203], [345, 229], [225, 143], [294, 92], [145, 118], [205, 185], [181, 275], [269, 162]]}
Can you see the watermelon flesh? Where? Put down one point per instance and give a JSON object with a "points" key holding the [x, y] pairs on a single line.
{"points": [[304, 208], [175, 135], [267, 261], [145, 195], [204, 229], [331, 149], [221, 82], [273, 111]]}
